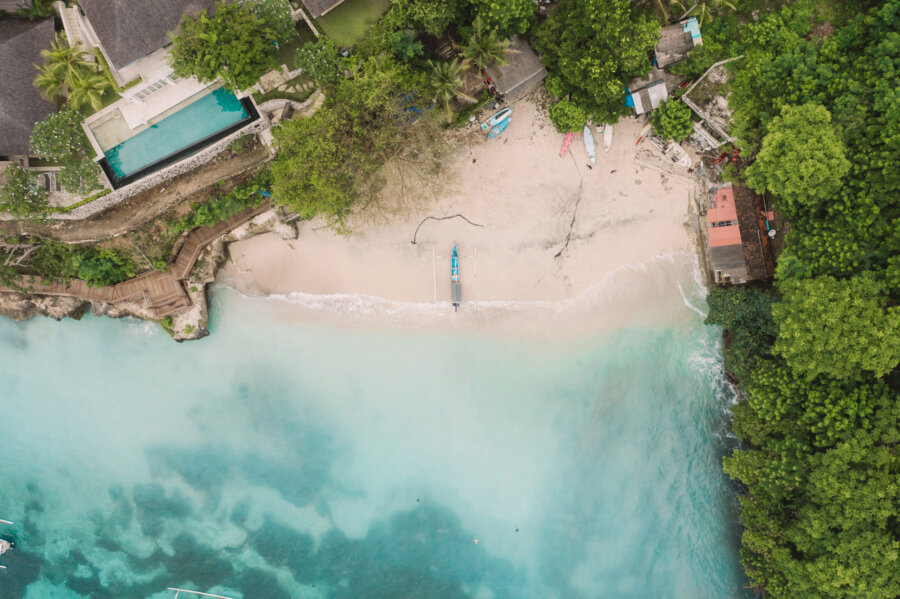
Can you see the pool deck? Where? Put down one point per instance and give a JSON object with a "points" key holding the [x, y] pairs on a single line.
{"points": [[126, 118]]}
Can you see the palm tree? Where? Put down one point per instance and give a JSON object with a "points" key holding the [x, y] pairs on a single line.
{"points": [[88, 88], [64, 63], [447, 83], [704, 9], [485, 47], [48, 83]]}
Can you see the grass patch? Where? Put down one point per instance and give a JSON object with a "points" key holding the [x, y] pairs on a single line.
{"points": [[348, 23], [87, 200]]}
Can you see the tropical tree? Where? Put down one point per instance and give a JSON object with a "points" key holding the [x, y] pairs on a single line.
{"points": [[320, 62], [672, 120], [59, 137], [567, 116], [802, 159], [595, 47], [88, 89], [509, 16], [447, 83], [484, 47], [234, 45], [405, 45], [431, 16], [703, 9], [20, 195], [837, 327], [276, 14], [81, 177], [63, 65]]}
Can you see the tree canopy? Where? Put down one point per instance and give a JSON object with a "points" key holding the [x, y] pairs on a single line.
{"points": [[20, 195], [330, 160], [802, 159], [234, 45], [567, 116], [837, 327], [595, 47], [672, 120], [821, 420]]}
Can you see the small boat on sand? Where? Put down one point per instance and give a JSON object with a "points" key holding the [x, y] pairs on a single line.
{"points": [[589, 145], [643, 133], [567, 143], [607, 136], [455, 287], [497, 118], [499, 128]]}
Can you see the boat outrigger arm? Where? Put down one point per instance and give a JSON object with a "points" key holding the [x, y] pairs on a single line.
{"points": [[455, 288]]}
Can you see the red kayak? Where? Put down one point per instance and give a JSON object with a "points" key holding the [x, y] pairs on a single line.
{"points": [[570, 137]]}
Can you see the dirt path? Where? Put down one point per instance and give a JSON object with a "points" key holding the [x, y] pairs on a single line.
{"points": [[144, 206]]}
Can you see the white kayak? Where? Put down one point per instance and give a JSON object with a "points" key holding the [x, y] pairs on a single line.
{"points": [[607, 136], [497, 118], [589, 146]]}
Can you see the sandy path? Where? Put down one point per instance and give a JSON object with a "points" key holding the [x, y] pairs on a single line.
{"points": [[550, 227]]}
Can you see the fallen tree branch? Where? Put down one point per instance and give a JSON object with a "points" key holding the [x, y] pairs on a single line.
{"points": [[441, 218]]}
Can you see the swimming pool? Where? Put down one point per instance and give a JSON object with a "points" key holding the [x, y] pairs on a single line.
{"points": [[214, 113]]}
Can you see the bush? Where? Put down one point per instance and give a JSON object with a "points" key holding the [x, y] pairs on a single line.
{"points": [[222, 207], [94, 266], [320, 62], [555, 86], [567, 116], [672, 120], [59, 137], [20, 195], [80, 177]]}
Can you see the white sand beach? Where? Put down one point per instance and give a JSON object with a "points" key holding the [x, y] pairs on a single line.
{"points": [[548, 227]]}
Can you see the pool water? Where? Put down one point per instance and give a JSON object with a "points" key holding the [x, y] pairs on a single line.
{"points": [[207, 116]]}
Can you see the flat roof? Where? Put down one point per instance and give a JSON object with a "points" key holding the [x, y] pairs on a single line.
{"points": [[523, 72]]}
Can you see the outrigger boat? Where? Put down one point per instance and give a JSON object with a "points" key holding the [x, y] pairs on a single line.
{"points": [[499, 128], [497, 118], [567, 142], [589, 145], [455, 287]]}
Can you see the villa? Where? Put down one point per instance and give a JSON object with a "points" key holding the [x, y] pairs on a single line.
{"points": [[160, 118], [14, 5], [21, 104], [317, 8], [739, 249]]}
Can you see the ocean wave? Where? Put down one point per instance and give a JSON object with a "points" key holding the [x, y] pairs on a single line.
{"points": [[611, 286]]}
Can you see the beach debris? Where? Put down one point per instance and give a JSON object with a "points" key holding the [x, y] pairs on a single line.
{"points": [[427, 218]]}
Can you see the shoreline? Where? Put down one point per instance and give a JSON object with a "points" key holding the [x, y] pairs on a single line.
{"points": [[534, 228]]}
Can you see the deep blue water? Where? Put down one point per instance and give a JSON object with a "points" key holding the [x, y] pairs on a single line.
{"points": [[196, 121], [285, 458]]}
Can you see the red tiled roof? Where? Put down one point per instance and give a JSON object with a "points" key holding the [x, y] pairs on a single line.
{"points": [[719, 236], [724, 206]]}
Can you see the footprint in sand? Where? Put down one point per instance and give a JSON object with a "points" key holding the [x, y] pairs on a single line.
{"points": [[638, 181]]}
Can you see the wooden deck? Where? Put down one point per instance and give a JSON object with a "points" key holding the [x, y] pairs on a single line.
{"points": [[162, 292]]}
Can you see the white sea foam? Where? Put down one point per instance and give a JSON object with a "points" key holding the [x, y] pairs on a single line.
{"points": [[624, 283]]}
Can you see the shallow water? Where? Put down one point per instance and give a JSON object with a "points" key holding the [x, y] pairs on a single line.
{"points": [[285, 456]]}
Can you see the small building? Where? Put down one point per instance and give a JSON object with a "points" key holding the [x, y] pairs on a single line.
{"points": [[14, 5], [676, 41], [523, 73], [738, 248], [647, 98], [21, 104], [317, 8]]}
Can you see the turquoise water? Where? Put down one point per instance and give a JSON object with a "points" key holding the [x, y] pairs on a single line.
{"points": [[208, 115], [287, 457]]}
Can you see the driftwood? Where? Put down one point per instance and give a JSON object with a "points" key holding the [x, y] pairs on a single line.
{"points": [[27, 250], [440, 218]]}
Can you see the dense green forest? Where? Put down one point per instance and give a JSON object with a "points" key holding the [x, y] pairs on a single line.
{"points": [[817, 99]]}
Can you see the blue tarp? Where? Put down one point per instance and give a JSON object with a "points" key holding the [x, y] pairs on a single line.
{"points": [[693, 27]]}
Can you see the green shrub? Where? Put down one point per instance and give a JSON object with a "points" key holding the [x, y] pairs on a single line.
{"points": [[672, 120], [567, 116], [221, 207]]}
